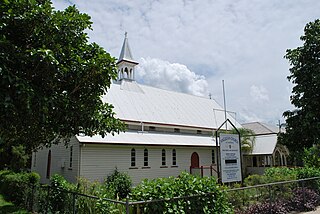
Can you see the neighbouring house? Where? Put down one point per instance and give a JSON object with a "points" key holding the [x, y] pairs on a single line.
{"points": [[266, 151], [167, 132]]}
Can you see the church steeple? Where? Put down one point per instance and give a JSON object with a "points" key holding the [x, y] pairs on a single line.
{"points": [[126, 63]]}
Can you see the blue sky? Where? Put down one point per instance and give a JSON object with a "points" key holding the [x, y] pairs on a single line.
{"points": [[192, 45]]}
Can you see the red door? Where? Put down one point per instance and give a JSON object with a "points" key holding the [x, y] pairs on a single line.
{"points": [[194, 160]]}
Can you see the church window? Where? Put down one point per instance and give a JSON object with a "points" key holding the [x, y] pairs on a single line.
{"points": [[174, 157], [48, 164], [145, 158], [133, 157], [70, 158], [213, 158], [163, 157]]}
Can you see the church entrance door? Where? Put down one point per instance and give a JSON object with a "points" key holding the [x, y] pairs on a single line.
{"points": [[194, 160]]}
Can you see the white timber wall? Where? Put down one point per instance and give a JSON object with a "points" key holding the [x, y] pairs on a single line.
{"points": [[60, 161], [100, 160]]}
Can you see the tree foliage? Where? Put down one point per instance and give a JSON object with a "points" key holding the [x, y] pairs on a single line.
{"points": [[52, 78], [303, 123]]}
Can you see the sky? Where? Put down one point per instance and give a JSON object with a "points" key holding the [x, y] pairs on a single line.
{"points": [[191, 46]]}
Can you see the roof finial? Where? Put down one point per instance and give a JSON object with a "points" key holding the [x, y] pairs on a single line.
{"points": [[126, 34]]}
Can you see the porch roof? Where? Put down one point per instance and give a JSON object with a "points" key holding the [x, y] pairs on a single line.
{"points": [[145, 138], [264, 144]]}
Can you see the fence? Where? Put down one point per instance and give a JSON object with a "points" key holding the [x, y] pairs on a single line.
{"points": [[47, 199], [298, 195]]}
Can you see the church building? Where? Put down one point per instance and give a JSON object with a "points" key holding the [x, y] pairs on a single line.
{"points": [[167, 132]]}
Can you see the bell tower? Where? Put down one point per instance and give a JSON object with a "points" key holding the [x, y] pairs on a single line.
{"points": [[126, 63]]}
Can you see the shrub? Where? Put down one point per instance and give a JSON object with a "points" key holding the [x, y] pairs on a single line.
{"points": [[183, 186], [304, 200], [275, 174], [18, 187], [265, 208], [309, 172], [120, 183], [60, 198], [88, 205], [253, 180]]}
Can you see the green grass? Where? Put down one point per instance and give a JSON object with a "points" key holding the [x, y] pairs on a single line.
{"points": [[8, 207]]}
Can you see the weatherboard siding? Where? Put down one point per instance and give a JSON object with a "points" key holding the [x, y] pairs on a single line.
{"points": [[60, 161], [98, 161]]}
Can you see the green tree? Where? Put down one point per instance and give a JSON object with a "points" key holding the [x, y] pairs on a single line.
{"points": [[52, 78], [303, 123]]}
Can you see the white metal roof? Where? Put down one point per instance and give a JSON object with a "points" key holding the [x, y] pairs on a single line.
{"points": [[125, 53], [261, 128], [264, 144], [145, 138], [136, 102]]}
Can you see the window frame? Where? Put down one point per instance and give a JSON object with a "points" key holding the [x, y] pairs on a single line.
{"points": [[145, 157], [174, 157], [163, 157], [133, 158], [70, 157]]}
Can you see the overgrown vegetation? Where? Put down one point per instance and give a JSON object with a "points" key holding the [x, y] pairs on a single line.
{"points": [[119, 182], [183, 194], [182, 186], [303, 196], [18, 187]]}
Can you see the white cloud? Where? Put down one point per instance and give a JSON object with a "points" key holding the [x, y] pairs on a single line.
{"points": [[259, 93], [172, 76], [242, 42]]}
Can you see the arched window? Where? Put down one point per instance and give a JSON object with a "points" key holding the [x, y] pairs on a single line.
{"points": [[133, 157], [163, 157], [277, 159], [126, 72], [145, 157], [174, 157], [48, 164]]}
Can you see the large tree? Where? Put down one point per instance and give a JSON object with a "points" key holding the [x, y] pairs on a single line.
{"points": [[51, 77], [303, 123]]}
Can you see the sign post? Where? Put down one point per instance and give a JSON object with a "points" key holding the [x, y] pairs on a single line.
{"points": [[230, 158]]}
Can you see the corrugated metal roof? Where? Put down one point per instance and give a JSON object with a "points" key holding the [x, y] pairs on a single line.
{"points": [[261, 128], [264, 144], [144, 138], [136, 102]]}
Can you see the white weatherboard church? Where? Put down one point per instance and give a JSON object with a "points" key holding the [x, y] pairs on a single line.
{"points": [[167, 132]]}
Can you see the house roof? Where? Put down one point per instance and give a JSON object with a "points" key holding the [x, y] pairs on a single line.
{"points": [[261, 128], [141, 103], [264, 144], [145, 138]]}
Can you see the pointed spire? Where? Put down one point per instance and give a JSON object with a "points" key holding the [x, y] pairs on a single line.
{"points": [[126, 54]]}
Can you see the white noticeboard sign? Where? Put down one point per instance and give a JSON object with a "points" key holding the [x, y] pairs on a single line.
{"points": [[230, 158]]}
